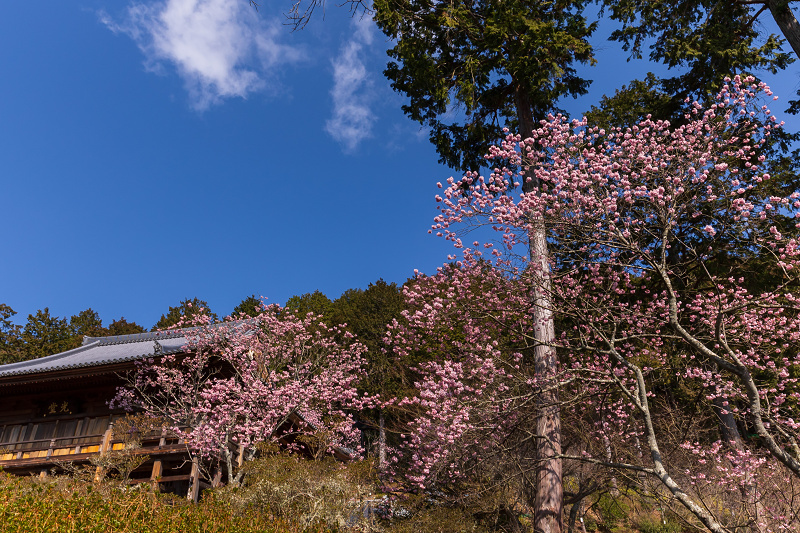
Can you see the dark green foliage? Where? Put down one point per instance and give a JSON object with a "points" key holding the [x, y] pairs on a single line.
{"points": [[123, 327], [250, 306], [11, 344], [183, 313], [87, 323], [706, 38], [495, 62], [315, 302], [45, 334], [702, 40], [366, 313]]}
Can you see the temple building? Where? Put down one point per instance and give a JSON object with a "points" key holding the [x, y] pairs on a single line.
{"points": [[55, 411], [55, 415]]}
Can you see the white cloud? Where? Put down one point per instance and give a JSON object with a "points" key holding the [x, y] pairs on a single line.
{"points": [[352, 118], [221, 48]]}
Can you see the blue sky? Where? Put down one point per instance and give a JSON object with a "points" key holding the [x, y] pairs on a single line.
{"points": [[156, 151]]}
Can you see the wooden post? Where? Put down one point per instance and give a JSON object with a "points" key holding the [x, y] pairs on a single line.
{"points": [[105, 444], [217, 477], [78, 431], [194, 479], [156, 473]]}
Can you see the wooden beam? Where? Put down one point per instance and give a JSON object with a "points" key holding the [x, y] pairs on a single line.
{"points": [[155, 474]]}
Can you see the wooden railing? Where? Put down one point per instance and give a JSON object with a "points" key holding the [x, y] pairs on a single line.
{"points": [[78, 443], [34, 448], [37, 455]]}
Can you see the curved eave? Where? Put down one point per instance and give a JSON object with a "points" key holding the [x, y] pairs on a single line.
{"points": [[75, 370]]}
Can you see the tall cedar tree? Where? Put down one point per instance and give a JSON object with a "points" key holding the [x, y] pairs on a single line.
{"points": [[501, 63], [504, 63]]}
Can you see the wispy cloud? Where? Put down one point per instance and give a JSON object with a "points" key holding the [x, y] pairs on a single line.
{"points": [[221, 48], [352, 118]]}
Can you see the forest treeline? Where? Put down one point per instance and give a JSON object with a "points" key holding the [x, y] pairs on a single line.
{"points": [[365, 311]]}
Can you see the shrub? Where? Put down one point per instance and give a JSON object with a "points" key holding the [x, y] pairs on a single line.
{"points": [[320, 493], [62, 505], [655, 525]]}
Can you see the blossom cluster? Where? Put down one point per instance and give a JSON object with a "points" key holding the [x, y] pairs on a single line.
{"points": [[237, 383], [669, 252]]}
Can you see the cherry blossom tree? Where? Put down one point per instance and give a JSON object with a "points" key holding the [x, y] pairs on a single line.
{"points": [[672, 252], [238, 382]]}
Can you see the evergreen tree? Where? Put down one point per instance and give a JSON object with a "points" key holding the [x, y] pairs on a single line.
{"points": [[184, 312], [315, 302], [11, 344], [123, 327], [45, 334], [250, 306], [87, 323], [499, 63]]}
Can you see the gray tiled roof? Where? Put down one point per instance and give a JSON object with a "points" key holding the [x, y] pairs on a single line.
{"points": [[98, 351]]}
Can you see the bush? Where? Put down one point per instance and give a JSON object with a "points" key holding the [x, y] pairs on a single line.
{"points": [[436, 519], [329, 494], [315, 493], [612, 510], [62, 505], [654, 525]]}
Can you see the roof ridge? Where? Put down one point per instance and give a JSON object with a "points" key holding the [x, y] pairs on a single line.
{"points": [[137, 337], [155, 335]]}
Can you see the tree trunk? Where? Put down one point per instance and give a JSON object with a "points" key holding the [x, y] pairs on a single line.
{"points": [[229, 465], [730, 435], [728, 430], [381, 441], [576, 513], [549, 498], [548, 516], [787, 22], [573, 516], [609, 458]]}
